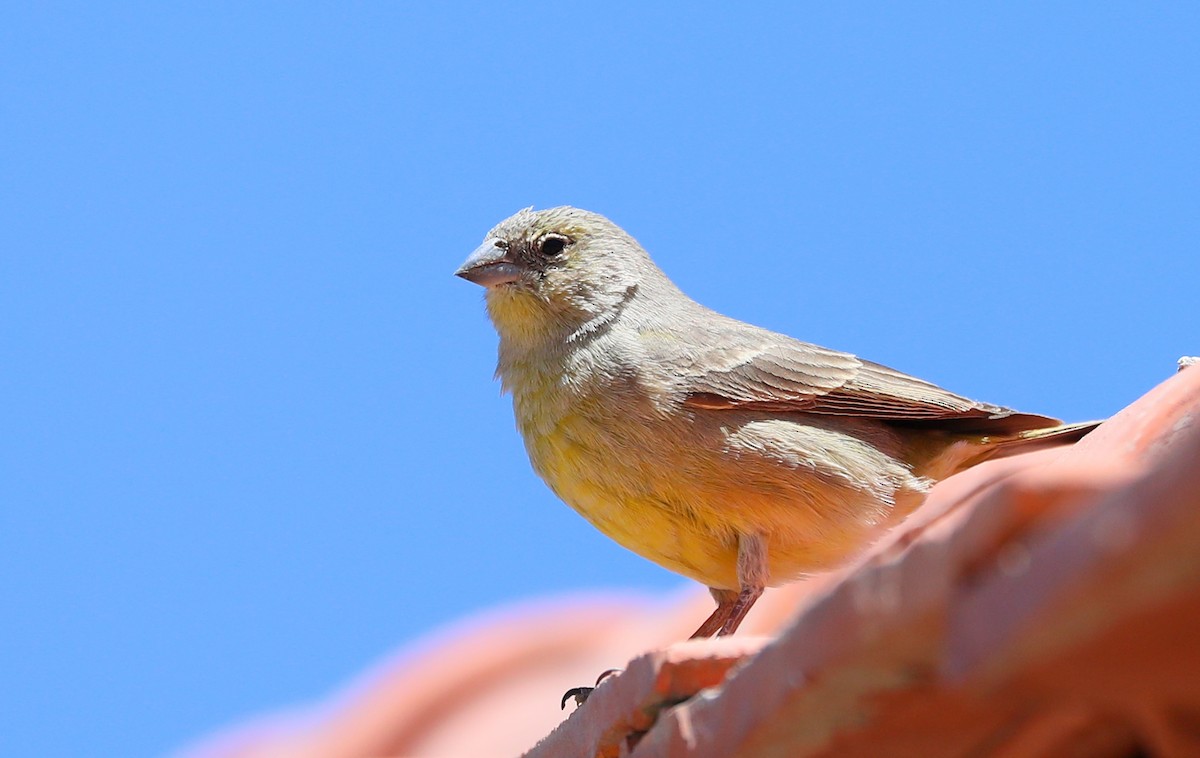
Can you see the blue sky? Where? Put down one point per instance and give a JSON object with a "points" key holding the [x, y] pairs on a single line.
{"points": [[251, 443]]}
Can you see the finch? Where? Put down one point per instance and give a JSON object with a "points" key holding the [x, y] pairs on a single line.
{"points": [[734, 455]]}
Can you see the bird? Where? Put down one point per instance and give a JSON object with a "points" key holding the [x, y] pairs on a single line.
{"points": [[731, 454]]}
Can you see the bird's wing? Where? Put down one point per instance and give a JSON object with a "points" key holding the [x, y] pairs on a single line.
{"points": [[739, 366]]}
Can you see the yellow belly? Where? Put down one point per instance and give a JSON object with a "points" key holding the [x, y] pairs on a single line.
{"points": [[680, 491]]}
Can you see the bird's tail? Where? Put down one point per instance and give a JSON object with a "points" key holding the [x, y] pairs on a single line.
{"points": [[969, 452], [1036, 438], [1060, 434], [1032, 439]]}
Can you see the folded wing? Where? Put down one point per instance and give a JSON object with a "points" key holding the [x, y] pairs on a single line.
{"points": [[744, 367]]}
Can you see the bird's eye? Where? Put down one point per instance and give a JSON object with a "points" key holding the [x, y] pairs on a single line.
{"points": [[552, 245]]}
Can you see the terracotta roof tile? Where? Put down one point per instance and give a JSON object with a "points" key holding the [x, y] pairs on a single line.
{"points": [[1042, 605]]}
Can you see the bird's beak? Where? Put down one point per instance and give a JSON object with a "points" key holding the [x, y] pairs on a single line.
{"points": [[490, 265]]}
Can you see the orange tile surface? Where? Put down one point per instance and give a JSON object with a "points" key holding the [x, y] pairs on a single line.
{"points": [[1042, 605]]}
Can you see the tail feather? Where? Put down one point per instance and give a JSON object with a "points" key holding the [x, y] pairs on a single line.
{"points": [[1054, 435], [969, 452]]}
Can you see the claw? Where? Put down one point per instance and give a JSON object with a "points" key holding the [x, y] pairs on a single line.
{"points": [[581, 694], [606, 674]]}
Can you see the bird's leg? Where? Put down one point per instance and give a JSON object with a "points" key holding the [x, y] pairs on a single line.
{"points": [[732, 606], [725, 601], [741, 606], [752, 571]]}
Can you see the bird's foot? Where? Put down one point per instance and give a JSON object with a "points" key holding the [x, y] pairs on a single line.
{"points": [[581, 694]]}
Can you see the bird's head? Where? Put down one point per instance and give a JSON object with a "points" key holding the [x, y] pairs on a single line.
{"points": [[556, 270]]}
